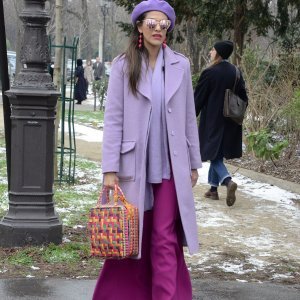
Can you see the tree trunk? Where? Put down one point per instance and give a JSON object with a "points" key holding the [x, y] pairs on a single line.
{"points": [[193, 42], [239, 31], [86, 36], [51, 24], [57, 72]]}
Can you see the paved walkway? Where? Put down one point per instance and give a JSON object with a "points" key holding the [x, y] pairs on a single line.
{"points": [[62, 289]]}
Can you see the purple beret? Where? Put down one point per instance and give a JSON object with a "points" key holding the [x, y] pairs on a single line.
{"points": [[158, 5]]}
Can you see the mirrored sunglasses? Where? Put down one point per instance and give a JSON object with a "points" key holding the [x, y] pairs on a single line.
{"points": [[152, 23]]}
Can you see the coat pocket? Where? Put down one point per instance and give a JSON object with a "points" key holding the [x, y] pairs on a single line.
{"points": [[127, 161]]}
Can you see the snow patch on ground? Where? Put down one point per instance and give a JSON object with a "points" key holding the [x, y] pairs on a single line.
{"points": [[282, 276], [88, 134], [262, 242], [258, 263], [266, 191], [237, 268], [213, 218], [85, 188]]}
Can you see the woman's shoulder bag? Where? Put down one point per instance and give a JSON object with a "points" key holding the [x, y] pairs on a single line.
{"points": [[234, 106]]}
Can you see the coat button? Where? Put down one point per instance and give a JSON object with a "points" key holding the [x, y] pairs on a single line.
{"points": [[173, 132], [175, 153], [169, 110]]}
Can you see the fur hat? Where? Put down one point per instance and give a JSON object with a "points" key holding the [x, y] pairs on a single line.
{"points": [[150, 5], [224, 48]]}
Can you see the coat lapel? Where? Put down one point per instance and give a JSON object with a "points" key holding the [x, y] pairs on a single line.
{"points": [[144, 85], [173, 74]]}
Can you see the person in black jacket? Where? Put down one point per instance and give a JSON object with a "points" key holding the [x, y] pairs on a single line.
{"points": [[220, 137], [80, 83], [98, 83]]}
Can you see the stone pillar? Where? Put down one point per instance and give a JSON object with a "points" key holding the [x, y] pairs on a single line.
{"points": [[31, 218]]}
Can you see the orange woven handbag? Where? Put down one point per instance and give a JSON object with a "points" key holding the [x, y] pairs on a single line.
{"points": [[113, 227]]}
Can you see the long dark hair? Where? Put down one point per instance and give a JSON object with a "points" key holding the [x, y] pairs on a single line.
{"points": [[134, 56]]}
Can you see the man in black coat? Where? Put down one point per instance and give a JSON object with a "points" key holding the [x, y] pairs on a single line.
{"points": [[98, 68], [219, 136]]}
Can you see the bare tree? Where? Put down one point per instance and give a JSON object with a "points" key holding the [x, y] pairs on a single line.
{"points": [[197, 45], [51, 10], [57, 69], [78, 24], [85, 40]]}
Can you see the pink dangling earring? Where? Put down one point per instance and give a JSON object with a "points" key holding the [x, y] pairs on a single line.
{"points": [[140, 44], [164, 43]]}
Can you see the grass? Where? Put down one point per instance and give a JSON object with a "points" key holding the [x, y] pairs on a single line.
{"points": [[65, 253], [3, 166], [21, 258], [86, 164], [89, 118], [2, 140], [3, 176], [3, 170], [3, 199]]}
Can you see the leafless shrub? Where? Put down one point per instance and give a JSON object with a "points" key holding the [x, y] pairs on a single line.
{"points": [[272, 85]]}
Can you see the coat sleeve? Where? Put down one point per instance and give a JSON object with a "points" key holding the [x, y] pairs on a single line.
{"points": [[113, 119], [202, 91], [191, 124]]}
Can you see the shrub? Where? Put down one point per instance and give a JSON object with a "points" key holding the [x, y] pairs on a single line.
{"points": [[195, 78], [264, 145], [292, 112]]}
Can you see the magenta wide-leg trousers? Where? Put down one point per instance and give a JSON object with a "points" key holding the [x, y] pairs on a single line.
{"points": [[161, 273]]}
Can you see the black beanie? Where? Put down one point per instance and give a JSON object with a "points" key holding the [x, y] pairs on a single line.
{"points": [[224, 48]]}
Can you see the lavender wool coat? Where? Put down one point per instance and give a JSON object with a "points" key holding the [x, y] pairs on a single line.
{"points": [[126, 129]]}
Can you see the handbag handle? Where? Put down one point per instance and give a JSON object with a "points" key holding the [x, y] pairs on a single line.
{"points": [[105, 189], [237, 77], [118, 195]]}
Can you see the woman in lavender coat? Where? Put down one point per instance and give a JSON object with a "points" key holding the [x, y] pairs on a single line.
{"points": [[151, 149]]}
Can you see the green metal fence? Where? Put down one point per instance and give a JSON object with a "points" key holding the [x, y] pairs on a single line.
{"points": [[66, 144]]}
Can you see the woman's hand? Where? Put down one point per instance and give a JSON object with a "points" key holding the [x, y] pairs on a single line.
{"points": [[194, 177], [110, 179]]}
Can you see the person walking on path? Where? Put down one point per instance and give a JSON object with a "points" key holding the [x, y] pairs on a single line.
{"points": [[98, 69], [151, 149], [80, 83], [219, 136], [98, 85], [88, 75]]}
